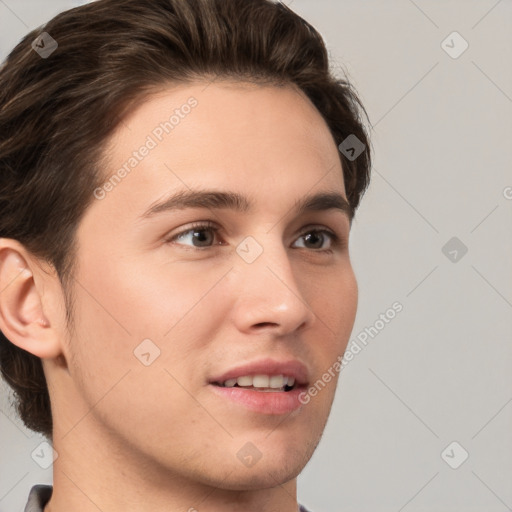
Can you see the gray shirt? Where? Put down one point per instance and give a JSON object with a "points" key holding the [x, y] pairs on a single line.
{"points": [[40, 495]]}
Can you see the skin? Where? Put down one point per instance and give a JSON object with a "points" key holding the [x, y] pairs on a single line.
{"points": [[153, 438]]}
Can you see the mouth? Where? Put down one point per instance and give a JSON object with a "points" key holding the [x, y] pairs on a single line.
{"points": [[266, 386], [263, 383]]}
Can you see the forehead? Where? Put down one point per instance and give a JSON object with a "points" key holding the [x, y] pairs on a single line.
{"points": [[229, 117], [268, 142]]}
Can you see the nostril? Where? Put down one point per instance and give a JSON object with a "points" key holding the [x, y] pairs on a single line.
{"points": [[265, 324]]}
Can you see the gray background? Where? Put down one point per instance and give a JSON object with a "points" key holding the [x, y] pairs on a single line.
{"points": [[437, 373]]}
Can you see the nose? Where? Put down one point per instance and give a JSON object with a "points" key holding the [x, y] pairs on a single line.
{"points": [[269, 296]]}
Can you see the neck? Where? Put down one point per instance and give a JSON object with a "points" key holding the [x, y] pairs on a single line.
{"points": [[94, 471]]}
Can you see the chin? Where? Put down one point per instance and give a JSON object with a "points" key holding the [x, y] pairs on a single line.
{"points": [[260, 476], [278, 464]]}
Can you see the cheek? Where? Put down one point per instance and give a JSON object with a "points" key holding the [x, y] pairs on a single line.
{"points": [[145, 300], [120, 307], [120, 312], [336, 305], [348, 298], [336, 309]]}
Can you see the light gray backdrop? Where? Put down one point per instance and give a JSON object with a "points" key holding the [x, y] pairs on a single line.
{"points": [[423, 414]]}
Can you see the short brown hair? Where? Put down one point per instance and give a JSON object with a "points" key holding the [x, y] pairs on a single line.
{"points": [[56, 114]]}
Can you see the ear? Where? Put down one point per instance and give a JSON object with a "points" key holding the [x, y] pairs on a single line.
{"points": [[22, 319]]}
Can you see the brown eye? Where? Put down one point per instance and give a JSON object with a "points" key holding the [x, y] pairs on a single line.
{"points": [[317, 238], [201, 235]]}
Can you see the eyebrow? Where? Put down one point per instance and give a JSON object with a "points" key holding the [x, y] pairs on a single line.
{"points": [[218, 199]]}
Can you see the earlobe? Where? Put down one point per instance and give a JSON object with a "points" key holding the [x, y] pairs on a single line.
{"points": [[22, 319]]}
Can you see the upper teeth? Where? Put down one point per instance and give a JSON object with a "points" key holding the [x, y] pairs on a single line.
{"points": [[261, 381]]}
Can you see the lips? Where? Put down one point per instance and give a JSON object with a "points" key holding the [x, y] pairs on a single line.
{"points": [[257, 398]]}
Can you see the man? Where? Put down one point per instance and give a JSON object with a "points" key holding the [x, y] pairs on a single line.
{"points": [[178, 182]]}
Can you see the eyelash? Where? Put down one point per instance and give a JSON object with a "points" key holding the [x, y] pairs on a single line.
{"points": [[205, 226]]}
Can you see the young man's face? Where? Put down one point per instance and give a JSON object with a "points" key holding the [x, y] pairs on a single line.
{"points": [[263, 288]]}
